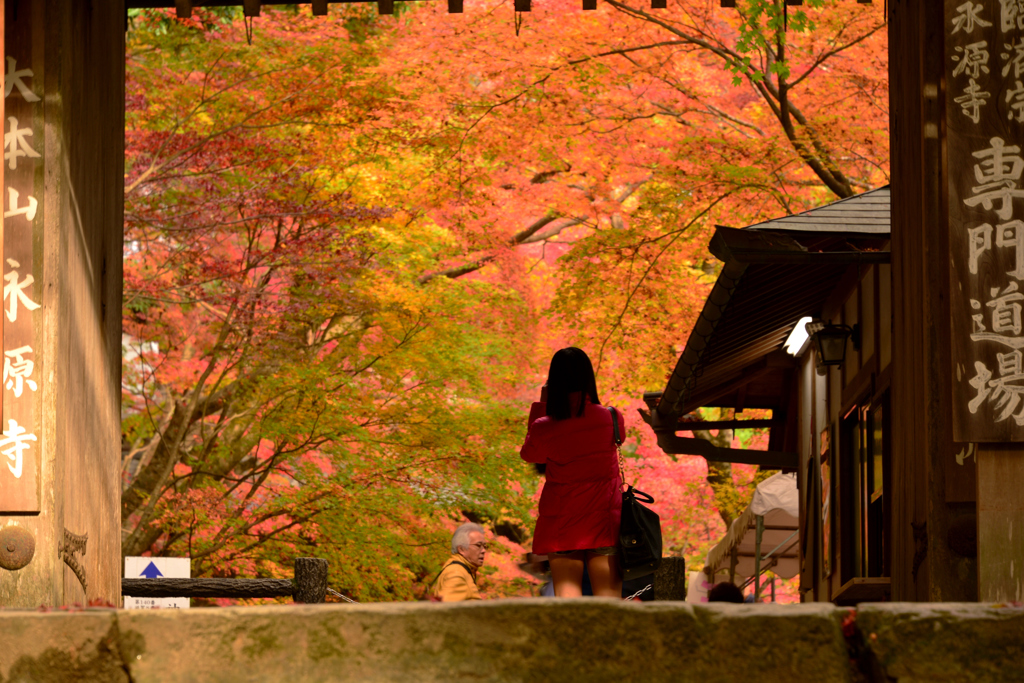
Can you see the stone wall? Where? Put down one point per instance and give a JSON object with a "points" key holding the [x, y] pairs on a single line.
{"points": [[519, 640]]}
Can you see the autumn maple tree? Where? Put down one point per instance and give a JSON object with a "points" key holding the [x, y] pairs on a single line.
{"points": [[292, 388]]}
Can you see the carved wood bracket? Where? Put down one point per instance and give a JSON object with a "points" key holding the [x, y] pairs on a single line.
{"points": [[68, 550]]}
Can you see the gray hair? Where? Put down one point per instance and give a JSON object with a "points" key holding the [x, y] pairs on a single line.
{"points": [[461, 535]]}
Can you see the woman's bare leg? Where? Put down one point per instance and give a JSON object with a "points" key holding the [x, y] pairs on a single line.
{"points": [[567, 574], [605, 577]]}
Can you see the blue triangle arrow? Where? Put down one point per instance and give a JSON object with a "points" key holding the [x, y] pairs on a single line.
{"points": [[151, 572]]}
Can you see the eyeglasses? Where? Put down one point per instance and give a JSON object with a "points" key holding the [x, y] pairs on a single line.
{"points": [[481, 546]]}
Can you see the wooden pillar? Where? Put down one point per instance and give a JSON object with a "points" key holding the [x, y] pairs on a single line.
{"points": [[983, 364], [758, 534], [69, 97], [1001, 523], [924, 567], [3, 51], [914, 193]]}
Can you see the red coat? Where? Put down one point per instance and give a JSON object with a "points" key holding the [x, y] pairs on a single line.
{"points": [[582, 498]]}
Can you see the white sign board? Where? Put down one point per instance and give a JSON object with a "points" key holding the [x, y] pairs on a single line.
{"points": [[156, 568]]}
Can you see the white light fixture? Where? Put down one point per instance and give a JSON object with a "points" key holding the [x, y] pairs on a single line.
{"points": [[798, 337]]}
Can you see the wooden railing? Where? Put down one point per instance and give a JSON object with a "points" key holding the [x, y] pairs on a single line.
{"points": [[308, 586]]}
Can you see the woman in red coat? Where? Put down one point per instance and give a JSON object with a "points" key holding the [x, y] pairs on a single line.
{"points": [[570, 432]]}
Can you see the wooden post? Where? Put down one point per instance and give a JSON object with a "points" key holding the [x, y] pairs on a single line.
{"points": [[183, 8], [670, 579], [319, 8], [522, 5], [3, 188], [310, 580], [589, 4], [923, 567], [981, 272], [454, 6], [385, 7], [251, 8], [758, 535], [1000, 522]]}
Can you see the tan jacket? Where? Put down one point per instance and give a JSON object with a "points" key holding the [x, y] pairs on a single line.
{"points": [[457, 581]]}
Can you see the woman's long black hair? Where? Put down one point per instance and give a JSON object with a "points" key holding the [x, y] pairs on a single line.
{"points": [[570, 371]]}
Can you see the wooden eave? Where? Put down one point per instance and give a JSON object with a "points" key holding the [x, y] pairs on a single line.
{"points": [[251, 8], [774, 273]]}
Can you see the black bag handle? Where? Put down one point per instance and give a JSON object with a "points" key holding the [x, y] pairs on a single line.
{"points": [[640, 495]]}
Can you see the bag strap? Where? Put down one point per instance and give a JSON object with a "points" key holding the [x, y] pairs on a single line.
{"points": [[617, 438], [461, 564], [615, 426]]}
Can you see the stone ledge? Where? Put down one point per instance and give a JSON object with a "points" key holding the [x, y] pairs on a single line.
{"points": [[514, 640], [944, 641], [511, 640], [57, 647]]}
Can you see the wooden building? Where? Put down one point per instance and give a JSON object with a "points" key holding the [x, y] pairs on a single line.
{"points": [[936, 400], [831, 424]]}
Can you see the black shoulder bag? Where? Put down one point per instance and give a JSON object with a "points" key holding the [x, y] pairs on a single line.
{"points": [[640, 528]]}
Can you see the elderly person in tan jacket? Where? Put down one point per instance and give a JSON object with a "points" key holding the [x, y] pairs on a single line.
{"points": [[457, 580]]}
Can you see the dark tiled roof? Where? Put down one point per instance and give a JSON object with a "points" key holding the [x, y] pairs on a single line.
{"points": [[866, 213]]}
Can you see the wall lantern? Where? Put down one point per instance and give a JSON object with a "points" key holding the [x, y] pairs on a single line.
{"points": [[830, 340]]}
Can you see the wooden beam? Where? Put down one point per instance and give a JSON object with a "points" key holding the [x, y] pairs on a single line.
{"points": [[319, 8], [691, 425], [207, 588], [183, 8], [679, 445]]}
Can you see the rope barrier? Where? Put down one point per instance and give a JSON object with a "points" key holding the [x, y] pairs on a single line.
{"points": [[640, 592], [343, 597]]}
